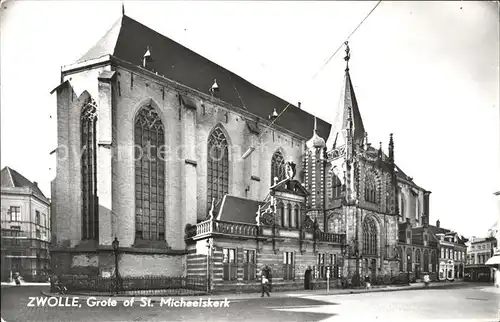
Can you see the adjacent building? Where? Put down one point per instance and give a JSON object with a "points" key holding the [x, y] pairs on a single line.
{"points": [[478, 252], [25, 227], [190, 168], [452, 252]]}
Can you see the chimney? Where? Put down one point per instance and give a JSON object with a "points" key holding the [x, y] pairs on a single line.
{"points": [[35, 183], [300, 104], [438, 223]]}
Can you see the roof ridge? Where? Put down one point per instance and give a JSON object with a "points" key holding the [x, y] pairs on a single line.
{"points": [[118, 22], [10, 176]]}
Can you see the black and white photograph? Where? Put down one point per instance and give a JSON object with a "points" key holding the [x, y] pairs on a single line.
{"points": [[250, 160]]}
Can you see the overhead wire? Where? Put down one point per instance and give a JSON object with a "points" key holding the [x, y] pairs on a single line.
{"points": [[315, 75]]}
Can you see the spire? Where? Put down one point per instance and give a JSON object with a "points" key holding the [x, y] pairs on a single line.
{"points": [[315, 125], [347, 117], [123, 9], [391, 148]]}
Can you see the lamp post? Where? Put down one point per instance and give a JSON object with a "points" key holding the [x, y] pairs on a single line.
{"points": [[209, 250], [356, 252], [408, 268], [115, 251]]}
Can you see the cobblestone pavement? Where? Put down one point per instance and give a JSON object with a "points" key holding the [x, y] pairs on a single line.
{"points": [[467, 303]]}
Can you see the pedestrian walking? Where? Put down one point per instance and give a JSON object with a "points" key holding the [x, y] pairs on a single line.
{"points": [[367, 282], [496, 277], [17, 279], [265, 285], [427, 280]]}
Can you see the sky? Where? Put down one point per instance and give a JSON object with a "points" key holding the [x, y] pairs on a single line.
{"points": [[426, 71]]}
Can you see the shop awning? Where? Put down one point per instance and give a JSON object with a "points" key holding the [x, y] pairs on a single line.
{"points": [[495, 260]]}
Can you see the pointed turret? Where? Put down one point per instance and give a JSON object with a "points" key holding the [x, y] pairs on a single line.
{"points": [[348, 107], [391, 149], [316, 141]]}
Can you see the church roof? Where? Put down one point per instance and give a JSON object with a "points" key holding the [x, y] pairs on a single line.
{"points": [[10, 178], [128, 40], [236, 209]]}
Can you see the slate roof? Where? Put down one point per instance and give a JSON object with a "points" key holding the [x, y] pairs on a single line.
{"points": [[128, 40], [10, 178], [435, 230], [236, 209]]}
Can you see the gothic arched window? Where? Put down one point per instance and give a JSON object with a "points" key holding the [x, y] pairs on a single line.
{"points": [[277, 167], [90, 204], [426, 260], [369, 237], [149, 175], [218, 167], [336, 186], [370, 187]]}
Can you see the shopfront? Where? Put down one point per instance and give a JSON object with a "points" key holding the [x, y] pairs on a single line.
{"points": [[446, 270]]}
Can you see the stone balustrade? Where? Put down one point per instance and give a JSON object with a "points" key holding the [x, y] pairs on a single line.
{"points": [[211, 227], [331, 238]]}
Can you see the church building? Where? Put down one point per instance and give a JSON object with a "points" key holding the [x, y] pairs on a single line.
{"points": [[197, 172]]}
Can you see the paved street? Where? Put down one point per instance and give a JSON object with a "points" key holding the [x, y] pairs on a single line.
{"points": [[469, 302]]}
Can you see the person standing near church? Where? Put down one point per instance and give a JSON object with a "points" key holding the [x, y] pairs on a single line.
{"points": [[265, 285]]}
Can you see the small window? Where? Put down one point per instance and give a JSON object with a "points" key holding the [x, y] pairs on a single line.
{"points": [[320, 264], [249, 267], [229, 263], [15, 213], [37, 217]]}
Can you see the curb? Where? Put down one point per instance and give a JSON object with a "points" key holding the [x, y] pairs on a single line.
{"points": [[237, 297]]}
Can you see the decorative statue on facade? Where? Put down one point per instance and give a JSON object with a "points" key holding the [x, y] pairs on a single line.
{"points": [[290, 170], [308, 223]]}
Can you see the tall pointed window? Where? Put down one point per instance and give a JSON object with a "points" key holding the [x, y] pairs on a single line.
{"points": [[370, 188], [277, 167], [218, 167], [149, 176], [336, 186], [90, 204], [369, 237]]}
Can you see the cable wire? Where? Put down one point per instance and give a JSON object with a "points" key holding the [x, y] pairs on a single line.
{"points": [[326, 63]]}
